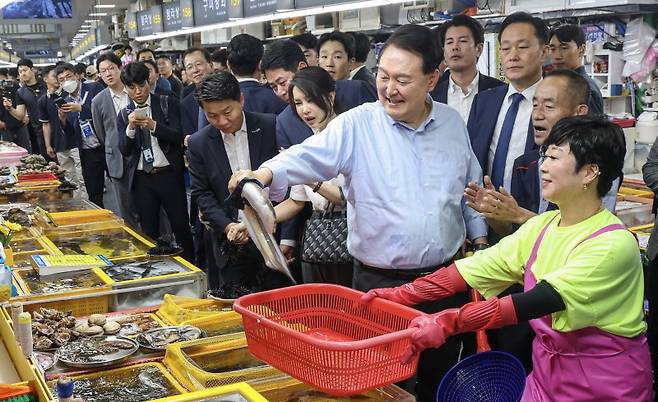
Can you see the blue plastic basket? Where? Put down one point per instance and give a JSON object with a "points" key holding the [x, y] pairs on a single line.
{"points": [[484, 377]]}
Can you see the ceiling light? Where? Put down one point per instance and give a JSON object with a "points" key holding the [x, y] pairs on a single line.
{"points": [[98, 14], [92, 20], [105, 6], [85, 26]]}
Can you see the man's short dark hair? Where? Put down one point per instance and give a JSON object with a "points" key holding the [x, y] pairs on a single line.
{"points": [[244, 54], [46, 70], [135, 73], [219, 56], [595, 140], [217, 87], [569, 33], [520, 17], [340, 37], [151, 63], [145, 50], [419, 40], [25, 62], [284, 54], [164, 56], [65, 67], [361, 46], [81, 68], [477, 32], [204, 52], [307, 40], [577, 86], [108, 56]]}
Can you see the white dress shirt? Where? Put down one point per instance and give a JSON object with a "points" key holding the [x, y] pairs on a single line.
{"points": [[461, 101], [356, 70], [237, 148], [119, 99], [159, 158], [519, 133]]}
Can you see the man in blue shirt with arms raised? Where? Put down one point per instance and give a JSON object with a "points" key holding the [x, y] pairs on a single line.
{"points": [[406, 160]]}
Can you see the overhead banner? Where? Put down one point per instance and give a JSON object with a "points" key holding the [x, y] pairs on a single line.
{"points": [[131, 25], [208, 12], [186, 13], [156, 19], [144, 23], [259, 7], [172, 16], [317, 3], [235, 9]]}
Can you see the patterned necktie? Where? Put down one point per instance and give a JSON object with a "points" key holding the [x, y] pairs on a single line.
{"points": [[500, 157]]}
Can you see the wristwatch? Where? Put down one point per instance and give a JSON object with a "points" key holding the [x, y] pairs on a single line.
{"points": [[480, 246]]}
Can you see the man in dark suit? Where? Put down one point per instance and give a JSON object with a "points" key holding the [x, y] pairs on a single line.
{"points": [[567, 49], [77, 117], [499, 122], [280, 63], [197, 65], [234, 140], [462, 39], [244, 55], [358, 68], [150, 139]]}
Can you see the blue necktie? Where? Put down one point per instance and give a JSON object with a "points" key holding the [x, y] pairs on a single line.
{"points": [[500, 157], [201, 120]]}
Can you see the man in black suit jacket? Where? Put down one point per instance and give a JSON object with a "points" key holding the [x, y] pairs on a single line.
{"points": [[233, 140], [150, 139], [358, 68], [462, 39], [244, 55], [197, 65]]}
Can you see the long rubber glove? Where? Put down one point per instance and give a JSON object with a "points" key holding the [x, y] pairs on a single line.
{"points": [[439, 284], [434, 329]]}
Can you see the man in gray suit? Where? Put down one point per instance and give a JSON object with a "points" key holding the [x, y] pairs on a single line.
{"points": [[104, 108]]}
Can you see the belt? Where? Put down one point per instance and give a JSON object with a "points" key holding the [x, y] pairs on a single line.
{"points": [[401, 273], [156, 170]]}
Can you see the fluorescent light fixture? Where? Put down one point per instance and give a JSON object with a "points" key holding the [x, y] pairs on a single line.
{"points": [[105, 6], [92, 20], [90, 52], [85, 26], [273, 16], [98, 14]]}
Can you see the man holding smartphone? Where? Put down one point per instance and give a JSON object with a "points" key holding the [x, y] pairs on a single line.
{"points": [[75, 114], [13, 115]]}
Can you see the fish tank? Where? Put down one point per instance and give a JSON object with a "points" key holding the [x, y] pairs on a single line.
{"points": [[112, 243], [74, 204], [160, 276], [34, 284]]}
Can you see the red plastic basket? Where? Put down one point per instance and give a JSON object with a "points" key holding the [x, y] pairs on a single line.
{"points": [[326, 337]]}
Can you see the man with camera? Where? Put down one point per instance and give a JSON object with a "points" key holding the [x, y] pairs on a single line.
{"points": [[12, 116]]}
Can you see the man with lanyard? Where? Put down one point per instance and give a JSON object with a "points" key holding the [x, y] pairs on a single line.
{"points": [[77, 116], [30, 91], [404, 159]]}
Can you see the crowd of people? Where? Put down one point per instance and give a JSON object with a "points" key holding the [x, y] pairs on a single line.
{"points": [[425, 162]]}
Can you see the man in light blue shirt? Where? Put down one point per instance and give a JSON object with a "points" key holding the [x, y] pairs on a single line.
{"points": [[406, 161]]}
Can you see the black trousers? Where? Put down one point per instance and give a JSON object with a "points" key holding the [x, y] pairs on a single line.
{"points": [[165, 189], [433, 363], [93, 172]]}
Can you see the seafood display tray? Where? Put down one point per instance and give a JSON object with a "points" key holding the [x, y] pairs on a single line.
{"points": [[176, 310], [114, 243], [117, 349]]}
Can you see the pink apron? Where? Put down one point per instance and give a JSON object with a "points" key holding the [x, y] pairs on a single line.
{"points": [[588, 364]]}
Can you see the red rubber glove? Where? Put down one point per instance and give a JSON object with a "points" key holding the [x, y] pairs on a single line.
{"points": [[434, 329], [439, 284]]}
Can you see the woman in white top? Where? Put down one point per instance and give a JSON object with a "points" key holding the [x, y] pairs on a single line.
{"points": [[312, 97]]}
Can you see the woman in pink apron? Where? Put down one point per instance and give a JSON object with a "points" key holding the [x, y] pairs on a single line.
{"points": [[581, 273]]}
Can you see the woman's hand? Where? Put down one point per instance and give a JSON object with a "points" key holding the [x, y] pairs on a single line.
{"points": [[237, 233]]}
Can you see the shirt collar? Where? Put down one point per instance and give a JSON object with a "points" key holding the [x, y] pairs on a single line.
{"points": [[248, 79], [119, 94], [453, 87], [147, 103], [242, 129], [527, 93], [356, 70], [430, 117]]}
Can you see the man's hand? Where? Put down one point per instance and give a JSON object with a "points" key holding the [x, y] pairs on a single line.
{"points": [[71, 107], [236, 233], [146, 122], [133, 121], [62, 116], [7, 103], [264, 176], [288, 252], [475, 194], [51, 151]]}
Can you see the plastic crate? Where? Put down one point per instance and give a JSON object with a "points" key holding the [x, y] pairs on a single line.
{"points": [[636, 192], [175, 309], [228, 323], [325, 336], [240, 392], [82, 241], [209, 362], [286, 388], [81, 302], [130, 372]]}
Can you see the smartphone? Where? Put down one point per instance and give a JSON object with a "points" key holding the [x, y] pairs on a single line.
{"points": [[60, 101], [141, 112]]}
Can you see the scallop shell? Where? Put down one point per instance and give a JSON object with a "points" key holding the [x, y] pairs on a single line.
{"points": [[97, 319], [111, 327], [93, 330]]}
